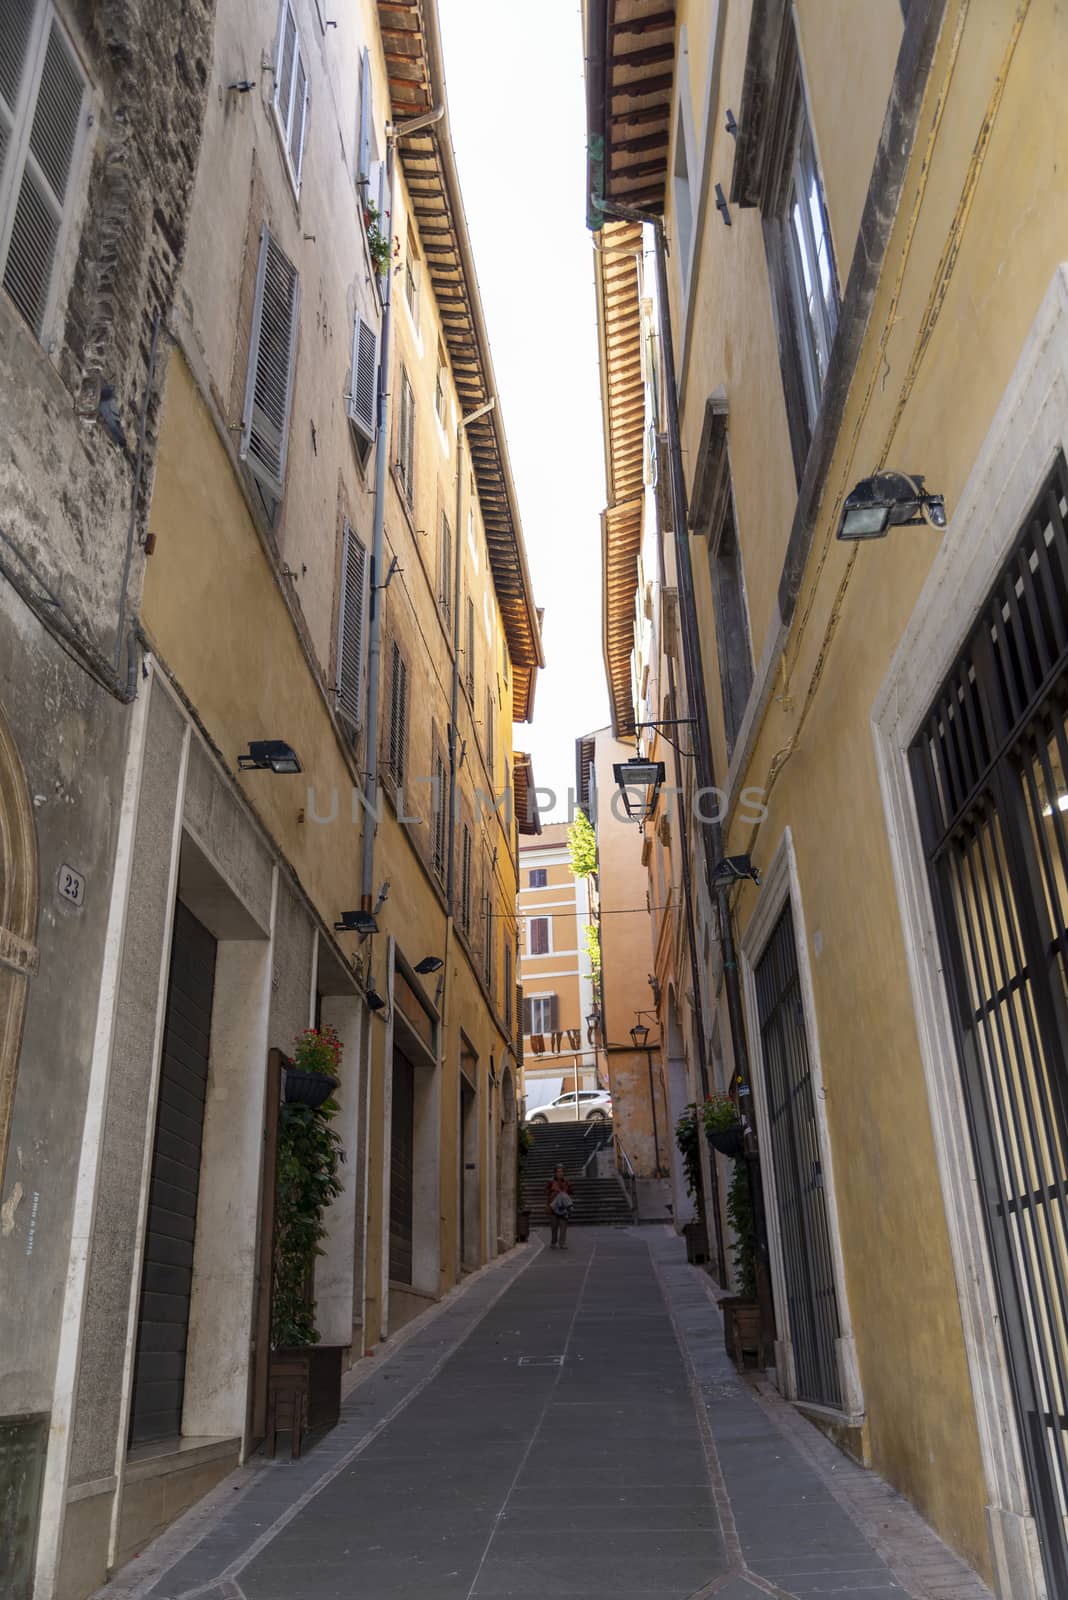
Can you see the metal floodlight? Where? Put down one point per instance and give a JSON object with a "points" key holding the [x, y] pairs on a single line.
{"points": [[639, 1033], [635, 778], [733, 869], [429, 964], [361, 922], [374, 1000], [889, 500], [269, 753]]}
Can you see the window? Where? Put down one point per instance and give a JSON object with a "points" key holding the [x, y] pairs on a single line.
{"points": [[491, 733], [732, 622], [538, 935], [366, 127], [411, 275], [42, 104], [540, 1014], [465, 881], [441, 813], [290, 93], [398, 716], [363, 386], [350, 633], [538, 878], [406, 438], [490, 936], [445, 580], [775, 168], [469, 653], [271, 360], [441, 385]]}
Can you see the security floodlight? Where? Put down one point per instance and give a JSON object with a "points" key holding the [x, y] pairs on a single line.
{"points": [[889, 500], [375, 1001], [361, 922], [429, 964], [274, 754], [733, 869], [635, 779]]}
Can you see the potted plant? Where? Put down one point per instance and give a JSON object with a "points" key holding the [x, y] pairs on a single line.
{"points": [[312, 1075], [688, 1139], [378, 247], [524, 1140], [723, 1125], [304, 1376], [741, 1312]]}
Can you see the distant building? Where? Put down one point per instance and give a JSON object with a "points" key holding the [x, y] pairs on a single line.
{"points": [[559, 1040]]}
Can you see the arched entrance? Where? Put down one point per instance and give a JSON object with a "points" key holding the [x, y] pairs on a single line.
{"points": [[506, 1162], [18, 920]]}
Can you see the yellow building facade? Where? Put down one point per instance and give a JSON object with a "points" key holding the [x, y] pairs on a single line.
{"points": [[559, 1041], [318, 819], [865, 213]]}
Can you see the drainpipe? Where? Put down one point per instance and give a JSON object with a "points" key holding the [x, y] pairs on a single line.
{"points": [[454, 771], [394, 133]]}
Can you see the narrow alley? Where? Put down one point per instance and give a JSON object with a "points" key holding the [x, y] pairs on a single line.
{"points": [[567, 1425]]}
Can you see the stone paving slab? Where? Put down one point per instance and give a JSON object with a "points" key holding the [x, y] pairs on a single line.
{"points": [[565, 1426]]}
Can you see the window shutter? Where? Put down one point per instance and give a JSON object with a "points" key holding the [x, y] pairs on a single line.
{"points": [[441, 802], [351, 627], [298, 120], [46, 163], [446, 566], [363, 389], [465, 881], [272, 348], [469, 664], [554, 1013], [398, 715], [528, 1016], [490, 734], [363, 164]]}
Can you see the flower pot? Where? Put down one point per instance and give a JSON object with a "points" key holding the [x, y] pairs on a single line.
{"points": [[308, 1088], [728, 1141], [742, 1330], [696, 1243], [522, 1226]]}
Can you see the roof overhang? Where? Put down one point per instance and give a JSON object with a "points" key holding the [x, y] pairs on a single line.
{"points": [[526, 795], [619, 329], [411, 40], [630, 69]]}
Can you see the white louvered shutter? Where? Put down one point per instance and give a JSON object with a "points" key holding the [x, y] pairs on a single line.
{"points": [[363, 388], [352, 614], [272, 353], [40, 164], [291, 91], [363, 157]]}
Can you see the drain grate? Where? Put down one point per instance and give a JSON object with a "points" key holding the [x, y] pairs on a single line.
{"points": [[541, 1361]]}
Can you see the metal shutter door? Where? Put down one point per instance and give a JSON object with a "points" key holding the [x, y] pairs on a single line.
{"points": [[167, 1275], [402, 1157]]}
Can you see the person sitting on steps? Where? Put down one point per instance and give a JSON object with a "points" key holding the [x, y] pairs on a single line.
{"points": [[558, 1200]]}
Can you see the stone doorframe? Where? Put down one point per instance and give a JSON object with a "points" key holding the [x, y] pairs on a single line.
{"points": [[18, 920], [781, 885], [1028, 429]]}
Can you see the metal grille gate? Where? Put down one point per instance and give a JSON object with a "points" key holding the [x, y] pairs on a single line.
{"points": [[990, 770], [811, 1298]]}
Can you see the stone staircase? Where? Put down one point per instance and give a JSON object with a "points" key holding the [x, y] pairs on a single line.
{"points": [[598, 1201]]}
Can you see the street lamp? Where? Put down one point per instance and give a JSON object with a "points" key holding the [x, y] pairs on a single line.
{"points": [[889, 500], [640, 1035], [635, 778]]}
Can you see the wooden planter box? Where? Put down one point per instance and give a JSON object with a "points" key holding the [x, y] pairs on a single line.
{"points": [[742, 1330], [696, 1243], [303, 1392], [522, 1226]]}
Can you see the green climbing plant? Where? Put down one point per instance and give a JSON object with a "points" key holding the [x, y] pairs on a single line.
{"points": [[688, 1139], [740, 1216], [309, 1156], [582, 846]]}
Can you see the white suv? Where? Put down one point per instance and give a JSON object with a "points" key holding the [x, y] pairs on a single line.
{"points": [[590, 1105]]}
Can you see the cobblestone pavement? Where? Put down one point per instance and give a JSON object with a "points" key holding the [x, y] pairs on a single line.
{"points": [[567, 1425]]}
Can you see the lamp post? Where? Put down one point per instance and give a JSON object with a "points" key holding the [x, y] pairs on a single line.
{"points": [[640, 1035]]}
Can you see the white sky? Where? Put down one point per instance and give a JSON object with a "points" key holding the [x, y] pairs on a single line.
{"points": [[517, 110]]}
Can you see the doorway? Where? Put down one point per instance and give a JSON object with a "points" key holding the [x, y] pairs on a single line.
{"points": [[167, 1272], [401, 1169], [469, 1185]]}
